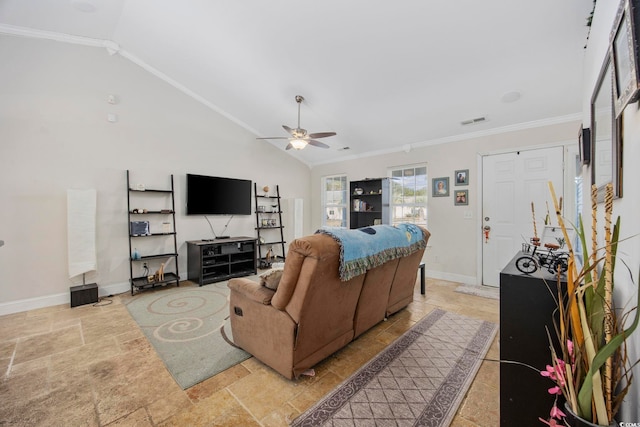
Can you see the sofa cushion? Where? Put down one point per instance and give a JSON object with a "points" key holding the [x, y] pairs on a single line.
{"points": [[271, 278]]}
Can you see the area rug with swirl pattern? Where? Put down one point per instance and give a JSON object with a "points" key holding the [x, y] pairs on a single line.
{"points": [[190, 330], [420, 379]]}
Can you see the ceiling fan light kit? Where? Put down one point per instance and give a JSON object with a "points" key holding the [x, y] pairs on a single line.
{"points": [[298, 144], [299, 137]]}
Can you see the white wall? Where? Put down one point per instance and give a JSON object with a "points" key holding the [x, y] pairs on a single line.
{"points": [[627, 208], [453, 246], [54, 135]]}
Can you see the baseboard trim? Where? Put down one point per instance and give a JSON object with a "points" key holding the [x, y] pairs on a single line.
{"points": [[57, 299], [452, 277]]}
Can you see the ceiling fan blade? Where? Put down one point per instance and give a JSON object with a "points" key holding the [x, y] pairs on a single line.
{"points": [[288, 129], [321, 134], [289, 146], [317, 143], [274, 137]]}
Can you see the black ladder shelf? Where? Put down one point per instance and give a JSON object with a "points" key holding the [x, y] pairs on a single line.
{"points": [[269, 228], [152, 260]]}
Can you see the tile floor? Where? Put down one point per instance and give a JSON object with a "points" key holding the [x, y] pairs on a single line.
{"points": [[92, 366]]}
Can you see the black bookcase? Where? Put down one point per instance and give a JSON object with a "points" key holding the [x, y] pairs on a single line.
{"points": [[269, 227], [149, 259], [369, 202]]}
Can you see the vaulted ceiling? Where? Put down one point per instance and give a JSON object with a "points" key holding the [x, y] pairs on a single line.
{"points": [[386, 76]]}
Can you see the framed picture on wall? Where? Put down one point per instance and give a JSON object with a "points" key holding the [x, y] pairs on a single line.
{"points": [[462, 198], [624, 47], [606, 143], [440, 187], [462, 177], [584, 145]]}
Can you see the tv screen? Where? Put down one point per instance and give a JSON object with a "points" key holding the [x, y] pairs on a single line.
{"points": [[211, 195]]}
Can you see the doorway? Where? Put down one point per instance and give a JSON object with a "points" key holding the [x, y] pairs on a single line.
{"points": [[511, 184]]}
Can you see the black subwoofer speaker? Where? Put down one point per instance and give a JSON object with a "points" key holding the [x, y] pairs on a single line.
{"points": [[84, 294]]}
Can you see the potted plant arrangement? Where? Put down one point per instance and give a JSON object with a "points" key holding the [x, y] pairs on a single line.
{"points": [[590, 367]]}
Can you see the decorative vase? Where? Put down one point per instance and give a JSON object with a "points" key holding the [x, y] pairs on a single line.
{"points": [[574, 420], [358, 191]]}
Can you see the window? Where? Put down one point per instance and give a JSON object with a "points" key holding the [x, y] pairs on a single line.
{"points": [[409, 191], [334, 201]]}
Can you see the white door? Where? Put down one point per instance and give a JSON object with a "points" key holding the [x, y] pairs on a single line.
{"points": [[510, 183]]}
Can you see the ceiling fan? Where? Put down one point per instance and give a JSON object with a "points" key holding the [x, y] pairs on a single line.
{"points": [[299, 137]]}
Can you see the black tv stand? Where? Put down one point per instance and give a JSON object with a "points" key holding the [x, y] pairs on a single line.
{"points": [[213, 261]]}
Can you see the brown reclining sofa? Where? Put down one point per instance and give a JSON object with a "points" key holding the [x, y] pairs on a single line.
{"points": [[313, 313]]}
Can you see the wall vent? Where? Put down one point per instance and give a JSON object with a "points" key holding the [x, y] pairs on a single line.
{"points": [[473, 121]]}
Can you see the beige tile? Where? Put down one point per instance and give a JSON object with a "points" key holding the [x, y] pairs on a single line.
{"points": [[124, 383], [138, 418], [168, 405], [216, 383], [206, 412], [29, 366], [481, 405], [37, 346], [7, 348], [87, 354], [18, 389], [92, 366], [314, 392], [13, 327], [263, 390], [280, 417], [95, 328]]}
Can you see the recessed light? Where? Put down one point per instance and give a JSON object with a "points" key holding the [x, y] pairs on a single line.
{"points": [[512, 96], [84, 6]]}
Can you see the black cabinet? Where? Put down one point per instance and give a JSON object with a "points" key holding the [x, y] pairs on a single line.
{"points": [[369, 202], [212, 261], [527, 309], [147, 230]]}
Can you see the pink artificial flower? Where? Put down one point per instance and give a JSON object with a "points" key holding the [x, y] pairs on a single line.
{"points": [[555, 373], [557, 413], [555, 390], [570, 350], [552, 422], [550, 372]]}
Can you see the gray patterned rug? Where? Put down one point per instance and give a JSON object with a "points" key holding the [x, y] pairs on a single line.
{"points": [[420, 379], [189, 328]]}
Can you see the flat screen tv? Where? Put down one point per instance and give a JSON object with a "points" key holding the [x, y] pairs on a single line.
{"points": [[212, 195]]}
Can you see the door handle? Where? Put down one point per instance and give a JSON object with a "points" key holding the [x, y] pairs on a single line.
{"points": [[486, 229]]}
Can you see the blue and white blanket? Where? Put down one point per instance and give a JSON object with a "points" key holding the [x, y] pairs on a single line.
{"points": [[365, 248]]}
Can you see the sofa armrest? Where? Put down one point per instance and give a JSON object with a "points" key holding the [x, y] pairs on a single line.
{"points": [[251, 290]]}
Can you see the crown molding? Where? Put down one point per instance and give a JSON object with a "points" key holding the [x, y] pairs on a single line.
{"points": [[113, 48], [462, 137], [51, 35]]}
